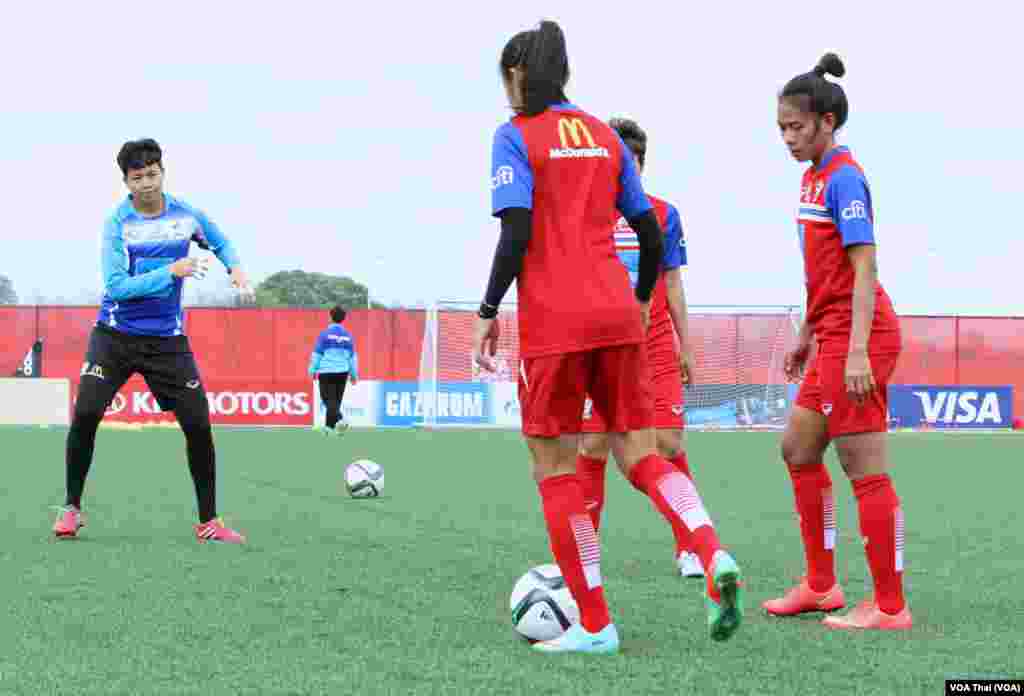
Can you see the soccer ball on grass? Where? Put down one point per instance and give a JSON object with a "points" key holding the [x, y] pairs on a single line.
{"points": [[364, 479]]}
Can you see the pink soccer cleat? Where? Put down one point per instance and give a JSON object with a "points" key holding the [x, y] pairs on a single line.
{"points": [[69, 521], [214, 530], [867, 616], [802, 599]]}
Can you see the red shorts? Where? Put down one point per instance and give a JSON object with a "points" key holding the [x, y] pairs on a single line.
{"points": [[667, 386], [552, 390], [824, 391]]}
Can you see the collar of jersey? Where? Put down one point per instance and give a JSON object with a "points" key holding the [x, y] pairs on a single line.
{"points": [[564, 106], [830, 154], [127, 210]]}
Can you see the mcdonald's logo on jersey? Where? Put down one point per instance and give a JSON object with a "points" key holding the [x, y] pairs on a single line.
{"points": [[573, 135]]}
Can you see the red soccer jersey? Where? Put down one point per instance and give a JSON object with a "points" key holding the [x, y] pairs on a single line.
{"points": [[836, 213], [626, 244], [576, 175]]}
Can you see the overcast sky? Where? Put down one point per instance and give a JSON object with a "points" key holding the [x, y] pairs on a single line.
{"points": [[354, 138]]}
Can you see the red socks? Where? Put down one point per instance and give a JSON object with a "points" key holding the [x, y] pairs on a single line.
{"points": [[680, 463], [576, 547], [591, 475], [881, 525], [679, 502], [684, 541], [812, 488]]}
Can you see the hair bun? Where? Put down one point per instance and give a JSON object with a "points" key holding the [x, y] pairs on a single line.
{"points": [[830, 64]]}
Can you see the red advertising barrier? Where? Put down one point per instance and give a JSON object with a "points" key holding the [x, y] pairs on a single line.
{"points": [[232, 402], [259, 351]]}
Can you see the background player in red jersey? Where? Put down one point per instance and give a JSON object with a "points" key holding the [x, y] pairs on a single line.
{"points": [[670, 363], [560, 180], [843, 395]]}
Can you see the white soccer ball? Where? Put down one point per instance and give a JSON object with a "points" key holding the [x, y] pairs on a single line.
{"points": [[542, 606], [364, 479]]}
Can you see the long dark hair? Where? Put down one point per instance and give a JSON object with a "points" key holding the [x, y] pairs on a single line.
{"points": [[542, 55], [812, 93]]}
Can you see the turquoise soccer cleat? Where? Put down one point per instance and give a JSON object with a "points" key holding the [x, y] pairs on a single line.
{"points": [[578, 639], [725, 617]]}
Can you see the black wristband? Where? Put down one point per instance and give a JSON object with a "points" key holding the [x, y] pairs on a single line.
{"points": [[487, 311]]}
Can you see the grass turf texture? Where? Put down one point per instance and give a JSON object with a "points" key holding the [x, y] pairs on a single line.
{"points": [[408, 593]]}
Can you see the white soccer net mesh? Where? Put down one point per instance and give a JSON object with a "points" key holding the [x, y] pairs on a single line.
{"points": [[738, 376]]}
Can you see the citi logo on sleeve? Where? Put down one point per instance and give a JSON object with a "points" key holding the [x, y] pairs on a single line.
{"points": [[503, 176], [855, 211], [575, 131]]}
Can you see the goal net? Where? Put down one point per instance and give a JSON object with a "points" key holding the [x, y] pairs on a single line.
{"points": [[738, 379]]}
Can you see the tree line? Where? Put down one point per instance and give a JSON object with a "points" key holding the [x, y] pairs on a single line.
{"points": [[282, 289]]}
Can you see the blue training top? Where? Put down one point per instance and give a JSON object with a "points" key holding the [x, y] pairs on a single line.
{"points": [[334, 353], [141, 296]]}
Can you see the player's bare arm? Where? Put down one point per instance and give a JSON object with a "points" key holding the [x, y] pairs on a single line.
{"points": [[860, 381], [680, 320]]}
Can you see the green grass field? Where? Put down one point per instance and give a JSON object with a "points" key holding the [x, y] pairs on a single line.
{"points": [[408, 594]]}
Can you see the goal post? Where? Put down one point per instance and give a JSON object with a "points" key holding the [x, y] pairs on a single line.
{"points": [[738, 380], [454, 391]]}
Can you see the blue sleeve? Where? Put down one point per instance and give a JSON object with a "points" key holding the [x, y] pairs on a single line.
{"points": [[675, 242], [220, 245], [511, 175], [848, 199], [352, 352], [118, 283], [632, 200], [318, 354]]}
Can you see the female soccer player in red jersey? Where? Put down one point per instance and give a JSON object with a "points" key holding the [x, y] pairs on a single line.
{"points": [[560, 180], [843, 395], [670, 364]]}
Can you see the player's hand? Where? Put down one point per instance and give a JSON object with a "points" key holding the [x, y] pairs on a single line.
{"points": [[686, 364], [860, 381], [190, 268], [645, 315], [240, 281], [794, 362], [485, 343], [353, 379]]}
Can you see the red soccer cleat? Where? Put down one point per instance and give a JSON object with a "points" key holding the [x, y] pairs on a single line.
{"points": [[867, 616], [69, 521], [802, 599], [214, 530]]}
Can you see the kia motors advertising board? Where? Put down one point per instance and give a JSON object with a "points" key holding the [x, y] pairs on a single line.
{"points": [[231, 403]]}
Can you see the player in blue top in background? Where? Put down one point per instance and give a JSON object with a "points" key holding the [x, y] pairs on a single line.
{"points": [[334, 359], [140, 330]]}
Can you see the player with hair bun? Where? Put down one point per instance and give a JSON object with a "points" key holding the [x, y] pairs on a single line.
{"points": [[842, 399]]}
